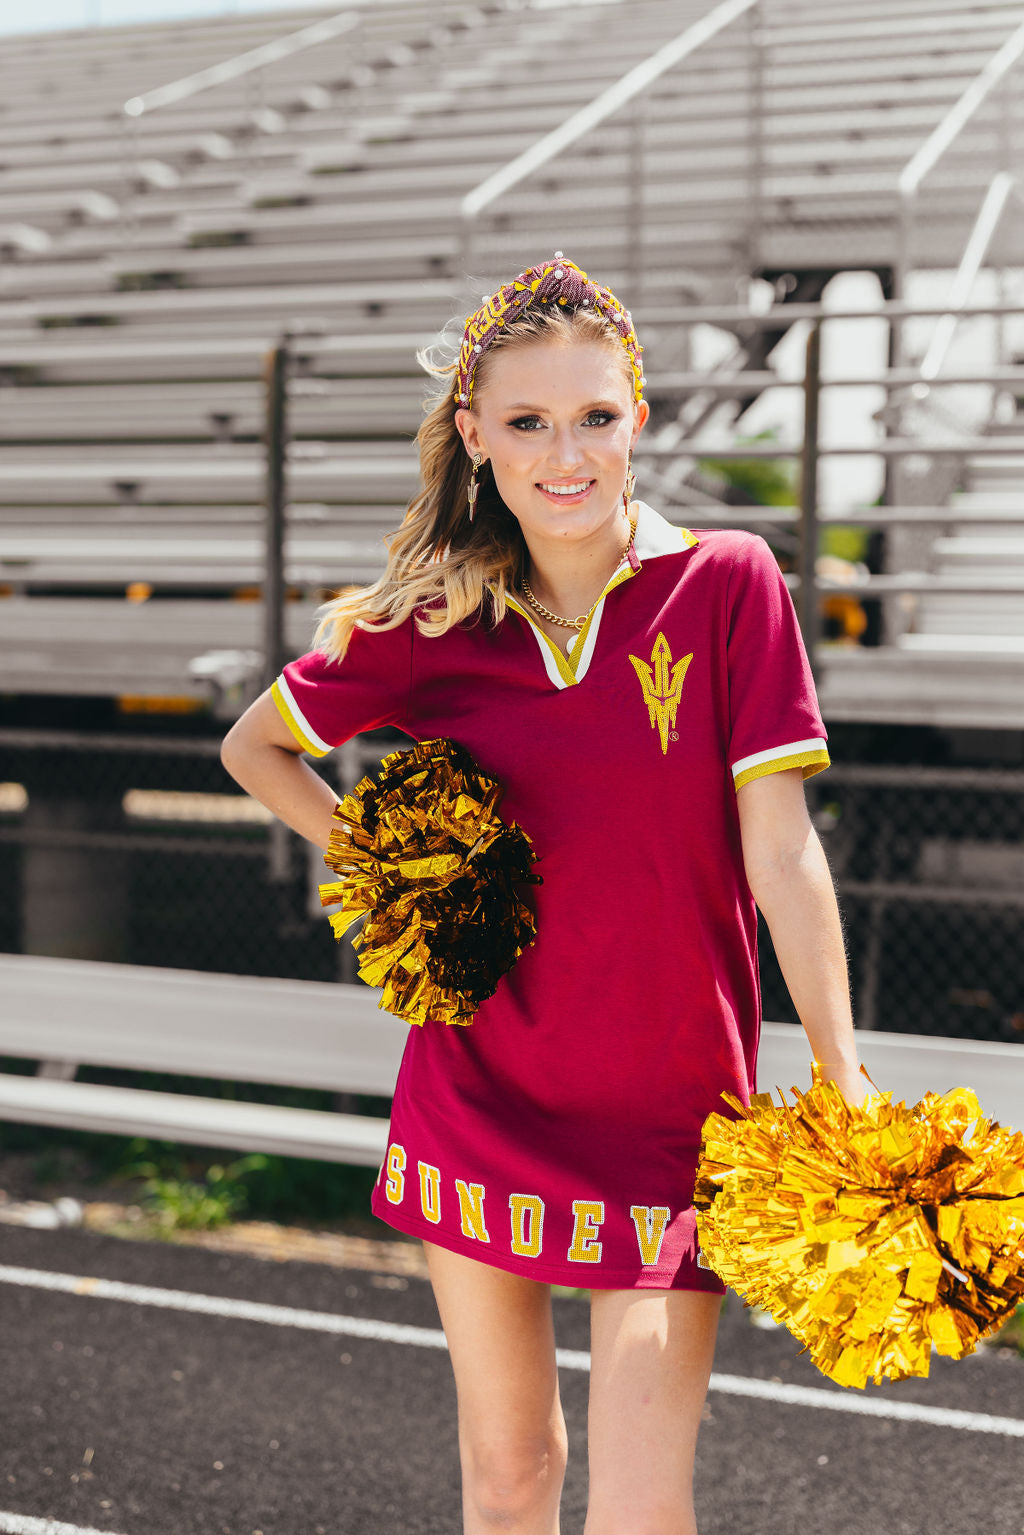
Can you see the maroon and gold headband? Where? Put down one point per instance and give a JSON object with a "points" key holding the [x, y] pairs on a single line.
{"points": [[552, 282]]}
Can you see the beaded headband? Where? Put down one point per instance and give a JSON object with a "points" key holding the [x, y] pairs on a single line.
{"points": [[552, 282]]}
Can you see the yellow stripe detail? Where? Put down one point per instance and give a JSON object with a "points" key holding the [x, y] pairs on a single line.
{"points": [[286, 715], [565, 670], [562, 661], [691, 538], [813, 761], [616, 580], [567, 664]]}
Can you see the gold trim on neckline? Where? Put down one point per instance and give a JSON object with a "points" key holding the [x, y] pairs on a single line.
{"points": [[566, 663]]}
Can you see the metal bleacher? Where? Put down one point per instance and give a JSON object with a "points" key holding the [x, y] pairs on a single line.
{"points": [[150, 258]]}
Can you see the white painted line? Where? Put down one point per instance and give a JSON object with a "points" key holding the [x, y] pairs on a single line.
{"points": [[868, 1406], [432, 1337], [21, 1524], [220, 1305]]}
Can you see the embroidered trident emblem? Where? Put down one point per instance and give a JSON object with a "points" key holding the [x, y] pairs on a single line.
{"points": [[662, 684]]}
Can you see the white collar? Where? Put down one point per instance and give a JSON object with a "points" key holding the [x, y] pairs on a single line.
{"points": [[655, 535]]}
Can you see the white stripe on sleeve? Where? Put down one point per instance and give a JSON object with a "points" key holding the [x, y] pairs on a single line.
{"points": [[790, 750], [299, 718]]}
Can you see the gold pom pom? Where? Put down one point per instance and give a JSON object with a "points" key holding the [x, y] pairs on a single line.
{"points": [[874, 1233], [427, 860]]}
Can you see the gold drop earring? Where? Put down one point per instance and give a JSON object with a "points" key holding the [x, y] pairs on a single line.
{"points": [[630, 486], [473, 489]]}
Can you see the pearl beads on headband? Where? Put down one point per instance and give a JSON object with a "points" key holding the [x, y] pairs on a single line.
{"points": [[557, 279]]}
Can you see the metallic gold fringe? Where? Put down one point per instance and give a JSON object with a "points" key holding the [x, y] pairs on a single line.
{"points": [[874, 1233], [425, 858]]}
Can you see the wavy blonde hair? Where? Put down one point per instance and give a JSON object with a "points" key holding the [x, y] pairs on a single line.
{"points": [[437, 560]]}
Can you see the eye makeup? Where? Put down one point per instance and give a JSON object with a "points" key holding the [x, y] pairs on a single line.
{"points": [[611, 416]]}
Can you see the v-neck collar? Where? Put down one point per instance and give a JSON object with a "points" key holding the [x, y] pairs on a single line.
{"points": [[654, 536]]}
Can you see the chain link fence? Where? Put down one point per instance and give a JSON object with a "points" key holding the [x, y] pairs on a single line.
{"points": [[929, 866], [143, 850]]}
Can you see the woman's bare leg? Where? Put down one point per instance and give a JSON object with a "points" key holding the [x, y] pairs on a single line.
{"points": [[512, 1438], [651, 1353]]}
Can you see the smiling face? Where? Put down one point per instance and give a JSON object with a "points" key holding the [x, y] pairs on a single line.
{"points": [[556, 419]]}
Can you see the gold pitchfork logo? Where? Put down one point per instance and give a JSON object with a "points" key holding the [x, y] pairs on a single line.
{"points": [[662, 683]]}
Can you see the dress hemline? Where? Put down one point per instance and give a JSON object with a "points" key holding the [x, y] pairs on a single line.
{"points": [[546, 1273]]}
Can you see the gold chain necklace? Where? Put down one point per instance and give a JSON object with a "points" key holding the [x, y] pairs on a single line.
{"points": [[574, 623]]}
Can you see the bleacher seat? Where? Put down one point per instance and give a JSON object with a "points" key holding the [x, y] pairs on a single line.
{"points": [[160, 257]]}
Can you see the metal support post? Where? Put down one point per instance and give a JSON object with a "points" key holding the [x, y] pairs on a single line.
{"points": [[755, 136], [807, 596], [901, 272], [275, 374], [635, 239], [999, 256]]}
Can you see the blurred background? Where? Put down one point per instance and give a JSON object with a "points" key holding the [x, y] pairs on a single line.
{"points": [[225, 229]]}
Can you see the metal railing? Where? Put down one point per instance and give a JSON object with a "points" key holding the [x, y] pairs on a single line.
{"points": [[996, 71], [1003, 193], [996, 200], [630, 86], [243, 65], [1001, 189], [806, 516], [249, 67], [625, 90]]}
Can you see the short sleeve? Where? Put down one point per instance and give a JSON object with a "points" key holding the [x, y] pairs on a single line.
{"points": [[326, 702], [774, 719]]}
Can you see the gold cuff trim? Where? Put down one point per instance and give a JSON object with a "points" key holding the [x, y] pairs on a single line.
{"points": [[286, 715], [813, 761]]}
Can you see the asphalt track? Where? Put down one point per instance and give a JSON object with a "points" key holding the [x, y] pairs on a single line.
{"points": [[163, 1390]]}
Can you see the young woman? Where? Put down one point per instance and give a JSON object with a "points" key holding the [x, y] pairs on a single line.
{"points": [[643, 694]]}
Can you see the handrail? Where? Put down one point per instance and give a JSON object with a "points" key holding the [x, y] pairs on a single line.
{"points": [[941, 137], [894, 449], [996, 198], [928, 154], [599, 110], [243, 63]]}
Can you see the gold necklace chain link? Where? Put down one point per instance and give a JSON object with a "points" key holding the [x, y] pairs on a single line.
{"points": [[574, 623]]}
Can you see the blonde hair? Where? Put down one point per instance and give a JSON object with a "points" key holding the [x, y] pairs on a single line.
{"points": [[437, 560]]}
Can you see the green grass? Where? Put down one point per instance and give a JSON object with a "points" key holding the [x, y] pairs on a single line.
{"points": [[186, 1204]]}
